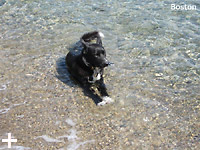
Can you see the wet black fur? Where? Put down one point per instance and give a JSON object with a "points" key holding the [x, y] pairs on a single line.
{"points": [[95, 56]]}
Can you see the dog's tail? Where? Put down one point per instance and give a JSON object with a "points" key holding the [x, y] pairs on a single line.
{"points": [[88, 37]]}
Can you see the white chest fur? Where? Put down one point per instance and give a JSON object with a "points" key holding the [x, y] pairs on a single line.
{"points": [[96, 75]]}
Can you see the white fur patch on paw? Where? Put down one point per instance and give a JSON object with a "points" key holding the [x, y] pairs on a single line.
{"points": [[101, 103], [106, 100], [101, 35]]}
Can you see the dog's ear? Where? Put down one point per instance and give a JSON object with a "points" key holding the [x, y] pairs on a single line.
{"points": [[99, 36], [85, 44], [99, 41]]}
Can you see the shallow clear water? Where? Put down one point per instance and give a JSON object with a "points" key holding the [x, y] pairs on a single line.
{"points": [[155, 79]]}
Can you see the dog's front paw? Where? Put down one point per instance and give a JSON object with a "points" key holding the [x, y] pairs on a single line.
{"points": [[101, 103], [106, 100]]}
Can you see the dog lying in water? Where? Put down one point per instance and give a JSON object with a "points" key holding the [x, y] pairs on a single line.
{"points": [[88, 66]]}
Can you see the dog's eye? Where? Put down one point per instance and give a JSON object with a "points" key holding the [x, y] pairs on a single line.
{"points": [[97, 55]]}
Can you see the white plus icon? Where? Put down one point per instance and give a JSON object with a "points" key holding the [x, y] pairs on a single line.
{"points": [[9, 140]]}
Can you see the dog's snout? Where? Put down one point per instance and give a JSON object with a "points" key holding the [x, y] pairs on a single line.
{"points": [[106, 63]]}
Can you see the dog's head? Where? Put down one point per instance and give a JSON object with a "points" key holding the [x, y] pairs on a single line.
{"points": [[95, 55]]}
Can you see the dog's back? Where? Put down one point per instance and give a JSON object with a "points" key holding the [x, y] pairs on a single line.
{"points": [[70, 58]]}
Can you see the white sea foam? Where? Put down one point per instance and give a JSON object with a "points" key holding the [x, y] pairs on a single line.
{"points": [[20, 116], [14, 148], [48, 139], [70, 122], [5, 110], [3, 87], [19, 104], [74, 140], [72, 137], [75, 146], [57, 122]]}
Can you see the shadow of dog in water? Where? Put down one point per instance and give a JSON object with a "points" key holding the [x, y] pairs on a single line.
{"points": [[63, 74]]}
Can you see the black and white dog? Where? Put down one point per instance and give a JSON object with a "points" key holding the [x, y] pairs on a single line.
{"points": [[88, 66]]}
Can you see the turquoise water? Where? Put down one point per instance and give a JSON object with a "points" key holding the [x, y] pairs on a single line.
{"points": [[155, 79]]}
